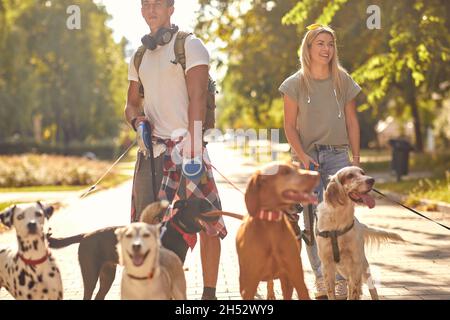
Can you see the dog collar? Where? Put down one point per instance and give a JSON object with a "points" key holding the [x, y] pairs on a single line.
{"points": [[148, 277], [333, 235], [270, 215], [32, 262]]}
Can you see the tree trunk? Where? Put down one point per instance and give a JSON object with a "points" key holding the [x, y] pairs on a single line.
{"points": [[412, 101]]}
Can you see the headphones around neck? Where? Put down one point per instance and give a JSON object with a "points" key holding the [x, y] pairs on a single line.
{"points": [[162, 37]]}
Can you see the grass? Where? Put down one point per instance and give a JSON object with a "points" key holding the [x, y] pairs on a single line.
{"points": [[108, 182], [4, 205], [43, 188], [437, 188]]}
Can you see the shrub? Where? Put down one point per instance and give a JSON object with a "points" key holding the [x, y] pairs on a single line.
{"points": [[49, 170]]}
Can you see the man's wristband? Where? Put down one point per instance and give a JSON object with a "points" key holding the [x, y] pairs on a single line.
{"points": [[356, 157]]}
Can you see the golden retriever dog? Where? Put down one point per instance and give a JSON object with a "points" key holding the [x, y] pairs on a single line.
{"points": [[341, 237], [266, 244], [151, 272]]}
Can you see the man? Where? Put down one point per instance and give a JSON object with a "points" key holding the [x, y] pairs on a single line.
{"points": [[173, 99]]}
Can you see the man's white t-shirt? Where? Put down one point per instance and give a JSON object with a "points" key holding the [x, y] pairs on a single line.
{"points": [[166, 98]]}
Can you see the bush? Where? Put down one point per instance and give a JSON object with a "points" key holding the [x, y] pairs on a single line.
{"points": [[102, 150], [47, 170]]}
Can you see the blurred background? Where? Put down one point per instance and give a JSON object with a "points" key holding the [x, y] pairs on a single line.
{"points": [[63, 91]]}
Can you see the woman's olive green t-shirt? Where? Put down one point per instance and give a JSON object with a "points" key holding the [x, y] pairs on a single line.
{"points": [[318, 121]]}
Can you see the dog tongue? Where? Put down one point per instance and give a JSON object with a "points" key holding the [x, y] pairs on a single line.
{"points": [[368, 200], [138, 259]]}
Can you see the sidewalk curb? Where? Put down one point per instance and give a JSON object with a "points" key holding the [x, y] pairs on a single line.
{"points": [[440, 205]]}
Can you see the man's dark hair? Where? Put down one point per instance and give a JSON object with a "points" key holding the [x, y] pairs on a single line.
{"points": [[169, 3]]}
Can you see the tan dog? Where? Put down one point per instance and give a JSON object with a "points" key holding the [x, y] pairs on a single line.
{"points": [[266, 244], [151, 272], [341, 237]]}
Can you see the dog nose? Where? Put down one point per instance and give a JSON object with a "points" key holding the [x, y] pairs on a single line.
{"points": [[370, 181], [32, 227], [136, 246]]}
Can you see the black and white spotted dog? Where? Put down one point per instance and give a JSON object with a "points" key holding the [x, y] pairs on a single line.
{"points": [[31, 272]]}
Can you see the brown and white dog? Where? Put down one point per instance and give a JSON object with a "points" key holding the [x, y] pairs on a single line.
{"points": [[97, 253], [151, 272], [341, 237], [31, 272]]}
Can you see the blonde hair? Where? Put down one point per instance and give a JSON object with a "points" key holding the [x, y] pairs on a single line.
{"points": [[336, 70]]}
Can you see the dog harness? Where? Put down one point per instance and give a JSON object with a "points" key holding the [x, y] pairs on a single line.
{"points": [[333, 235], [188, 238]]}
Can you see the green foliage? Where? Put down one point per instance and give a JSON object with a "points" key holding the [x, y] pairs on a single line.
{"points": [[402, 67], [59, 85], [404, 63], [260, 52], [437, 189]]}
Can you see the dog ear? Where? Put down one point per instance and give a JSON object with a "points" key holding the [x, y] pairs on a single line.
{"points": [[48, 211], [252, 194], [7, 217], [334, 194], [119, 232]]}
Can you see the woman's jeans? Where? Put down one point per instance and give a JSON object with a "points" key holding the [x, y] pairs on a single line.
{"points": [[330, 159]]}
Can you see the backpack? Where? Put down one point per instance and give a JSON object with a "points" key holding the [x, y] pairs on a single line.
{"points": [[180, 57]]}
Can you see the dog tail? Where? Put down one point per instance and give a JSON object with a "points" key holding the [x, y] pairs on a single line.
{"points": [[57, 243], [375, 237]]}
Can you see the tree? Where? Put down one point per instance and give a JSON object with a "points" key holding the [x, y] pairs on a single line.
{"points": [[406, 62], [260, 53], [74, 80]]}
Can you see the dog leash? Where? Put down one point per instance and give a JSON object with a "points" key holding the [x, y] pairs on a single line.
{"points": [[375, 190], [227, 180], [410, 209], [92, 188]]}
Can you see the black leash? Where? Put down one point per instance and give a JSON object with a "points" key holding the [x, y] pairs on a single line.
{"points": [[152, 162], [410, 209]]}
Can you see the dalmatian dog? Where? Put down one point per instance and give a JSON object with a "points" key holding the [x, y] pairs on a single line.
{"points": [[30, 273]]}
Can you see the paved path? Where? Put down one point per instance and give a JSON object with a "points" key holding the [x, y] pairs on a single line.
{"points": [[418, 269]]}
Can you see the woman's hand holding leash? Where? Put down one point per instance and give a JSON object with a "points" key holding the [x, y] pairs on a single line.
{"points": [[306, 161]]}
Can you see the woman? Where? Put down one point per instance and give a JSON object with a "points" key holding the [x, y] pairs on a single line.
{"points": [[320, 122]]}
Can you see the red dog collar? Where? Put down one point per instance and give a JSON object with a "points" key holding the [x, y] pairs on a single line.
{"points": [[269, 215], [31, 262]]}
